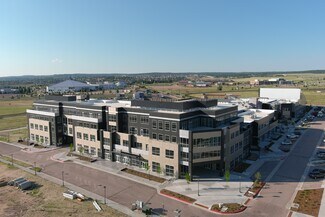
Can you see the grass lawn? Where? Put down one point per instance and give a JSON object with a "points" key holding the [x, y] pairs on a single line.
{"points": [[144, 175], [14, 136], [8, 107], [20, 163], [309, 201], [13, 122]]}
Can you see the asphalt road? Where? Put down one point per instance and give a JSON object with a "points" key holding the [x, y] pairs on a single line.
{"points": [[272, 201], [274, 198], [122, 191]]}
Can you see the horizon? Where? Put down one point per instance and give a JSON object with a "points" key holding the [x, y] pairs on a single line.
{"points": [[73, 37]]}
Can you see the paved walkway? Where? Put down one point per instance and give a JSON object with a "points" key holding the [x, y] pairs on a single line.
{"points": [[15, 129]]}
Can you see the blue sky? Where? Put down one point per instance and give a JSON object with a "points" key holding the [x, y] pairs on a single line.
{"points": [[76, 36]]}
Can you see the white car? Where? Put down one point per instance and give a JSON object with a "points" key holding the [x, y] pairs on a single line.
{"points": [[286, 142]]}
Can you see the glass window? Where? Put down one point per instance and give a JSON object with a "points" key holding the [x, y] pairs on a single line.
{"points": [[160, 125], [167, 138], [125, 143], [174, 139], [144, 120], [133, 130], [106, 141], [112, 117], [160, 137], [169, 154], [154, 124], [155, 166], [70, 130], [144, 132], [46, 128], [169, 170], [154, 135], [92, 138], [36, 126], [133, 118], [78, 135], [32, 126], [41, 127], [167, 125], [85, 136], [174, 126], [155, 151]]}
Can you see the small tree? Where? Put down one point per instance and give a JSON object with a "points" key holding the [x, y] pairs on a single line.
{"points": [[258, 177], [188, 179], [227, 175], [147, 168], [159, 169], [81, 150], [71, 147]]}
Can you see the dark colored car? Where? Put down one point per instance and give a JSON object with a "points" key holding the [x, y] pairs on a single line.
{"points": [[318, 171], [298, 133], [317, 174]]}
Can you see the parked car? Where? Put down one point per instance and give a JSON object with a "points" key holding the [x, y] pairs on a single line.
{"points": [[286, 142], [285, 148], [298, 133], [318, 171], [292, 136], [316, 175]]}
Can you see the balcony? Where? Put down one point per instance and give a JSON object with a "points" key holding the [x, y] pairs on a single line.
{"points": [[121, 148], [139, 151]]}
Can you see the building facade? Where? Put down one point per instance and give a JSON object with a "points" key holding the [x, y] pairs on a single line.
{"points": [[173, 137]]}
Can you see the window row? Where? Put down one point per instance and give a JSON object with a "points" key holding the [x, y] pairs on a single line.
{"points": [[164, 125], [165, 138], [168, 153], [208, 142], [236, 147], [206, 154], [143, 119], [39, 138], [169, 171], [39, 127], [86, 136]]}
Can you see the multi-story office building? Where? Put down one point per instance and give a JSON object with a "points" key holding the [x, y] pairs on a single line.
{"points": [[170, 136]]}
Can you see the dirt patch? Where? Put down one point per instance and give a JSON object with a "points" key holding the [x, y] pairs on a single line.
{"points": [[144, 175], [309, 201], [177, 196], [45, 200], [228, 208], [241, 167]]}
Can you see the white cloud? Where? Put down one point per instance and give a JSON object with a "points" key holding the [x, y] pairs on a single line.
{"points": [[56, 60]]}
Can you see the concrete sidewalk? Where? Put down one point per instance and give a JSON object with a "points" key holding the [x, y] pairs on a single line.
{"points": [[112, 168]]}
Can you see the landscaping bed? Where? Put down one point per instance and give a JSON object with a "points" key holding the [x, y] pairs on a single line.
{"points": [[228, 208], [177, 196], [241, 167], [308, 201], [255, 189], [84, 158], [144, 175]]}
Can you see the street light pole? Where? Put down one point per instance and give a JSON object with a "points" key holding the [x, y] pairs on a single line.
{"points": [[105, 194], [63, 178], [35, 168], [198, 186], [239, 184]]}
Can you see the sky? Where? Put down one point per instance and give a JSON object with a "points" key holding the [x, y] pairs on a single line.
{"points": [[106, 36]]}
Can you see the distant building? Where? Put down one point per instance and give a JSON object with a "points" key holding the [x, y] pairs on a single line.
{"points": [[121, 84], [202, 84], [8, 91], [285, 101], [70, 86]]}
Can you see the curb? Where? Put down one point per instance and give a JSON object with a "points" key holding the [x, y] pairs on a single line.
{"points": [[175, 198], [230, 213]]}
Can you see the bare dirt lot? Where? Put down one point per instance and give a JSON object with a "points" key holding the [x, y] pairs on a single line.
{"points": [[43, 200]]}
